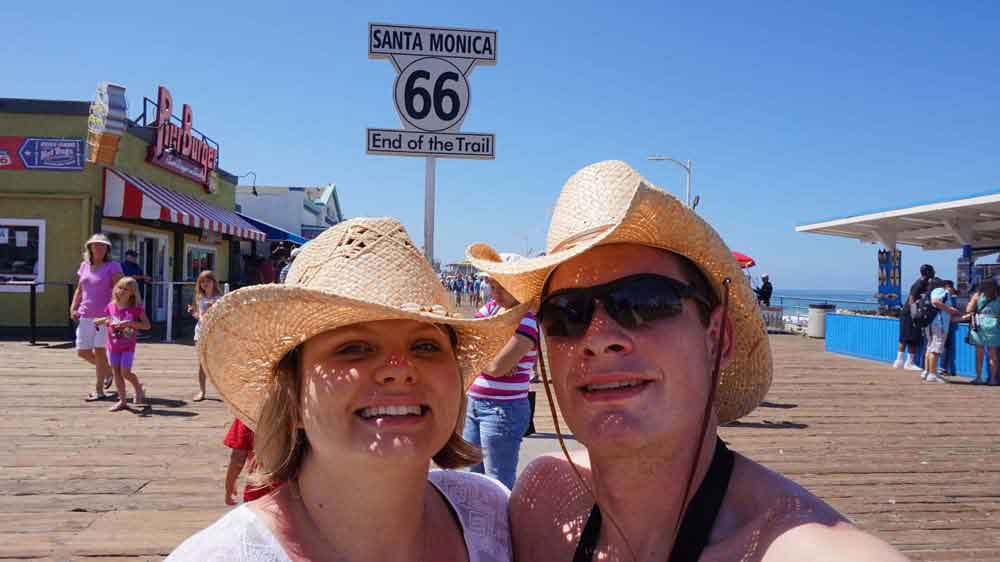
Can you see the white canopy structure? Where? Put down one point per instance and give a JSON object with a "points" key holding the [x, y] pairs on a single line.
{"points": [[973, 220]]}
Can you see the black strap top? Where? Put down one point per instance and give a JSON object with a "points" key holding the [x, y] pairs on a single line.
{"points": [[698, 519]]}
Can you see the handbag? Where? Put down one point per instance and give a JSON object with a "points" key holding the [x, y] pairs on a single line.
{"points": [[974, 323]]}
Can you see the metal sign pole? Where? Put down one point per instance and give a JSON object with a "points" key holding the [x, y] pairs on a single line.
{"points": [[429, 209]]}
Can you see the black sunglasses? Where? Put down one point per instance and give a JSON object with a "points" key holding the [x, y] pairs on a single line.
{"points": [[631, 301]]}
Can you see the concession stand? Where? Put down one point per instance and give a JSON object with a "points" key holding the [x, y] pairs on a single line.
{"points": [[969, 224]]}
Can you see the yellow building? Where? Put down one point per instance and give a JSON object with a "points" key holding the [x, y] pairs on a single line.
{"points": [[52, 200]]}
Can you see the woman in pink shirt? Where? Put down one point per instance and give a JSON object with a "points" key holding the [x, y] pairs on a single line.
{"points": [[98, 276]]}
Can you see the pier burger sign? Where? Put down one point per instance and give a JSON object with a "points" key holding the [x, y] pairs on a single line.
{"points": [[177, 149], [431, 91]]}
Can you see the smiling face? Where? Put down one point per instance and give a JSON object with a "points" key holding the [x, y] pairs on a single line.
{"points": [[207, 285], [98, 252], [389, 389], [667, 363], [124, 294]]}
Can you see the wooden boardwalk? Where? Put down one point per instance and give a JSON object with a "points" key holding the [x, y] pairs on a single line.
{"points": [[918, 464]]}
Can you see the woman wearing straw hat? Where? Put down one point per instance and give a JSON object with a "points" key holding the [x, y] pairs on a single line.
{"points": [[652, 338], [352, 376], [98, 276]]}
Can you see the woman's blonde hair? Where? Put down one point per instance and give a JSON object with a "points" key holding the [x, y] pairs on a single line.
{"points": [[198, 293], [280, 444], [130, 283]]}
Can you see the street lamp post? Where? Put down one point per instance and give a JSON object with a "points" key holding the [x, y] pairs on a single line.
{"points": [[687, 168]]}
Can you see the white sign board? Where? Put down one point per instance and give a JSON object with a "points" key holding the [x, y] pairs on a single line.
{"points": [[431, 91], [438, 145], [385, 40], [21, 238], [4, 237]]}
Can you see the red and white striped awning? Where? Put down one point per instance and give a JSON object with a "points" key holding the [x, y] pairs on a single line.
{"points": [[128, 196]]}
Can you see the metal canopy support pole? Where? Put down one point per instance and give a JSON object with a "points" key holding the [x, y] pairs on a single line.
{"points": [[429, 210]]}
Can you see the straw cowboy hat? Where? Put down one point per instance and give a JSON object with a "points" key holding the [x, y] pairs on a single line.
{"points": [[609, 202], [361, 270], [506, 257]]}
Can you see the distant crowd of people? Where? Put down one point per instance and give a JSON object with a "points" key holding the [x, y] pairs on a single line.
{"points": [[261, 270], [472, 290], [929, 319]]}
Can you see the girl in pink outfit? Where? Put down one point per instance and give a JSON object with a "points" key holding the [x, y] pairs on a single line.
{"points": [[123, 317]]}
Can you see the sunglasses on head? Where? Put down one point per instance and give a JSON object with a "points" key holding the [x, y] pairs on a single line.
{"points": [[631, 301]]}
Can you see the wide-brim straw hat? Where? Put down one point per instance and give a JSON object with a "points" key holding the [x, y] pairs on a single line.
{"points": [[609, 202], [361, 270]]}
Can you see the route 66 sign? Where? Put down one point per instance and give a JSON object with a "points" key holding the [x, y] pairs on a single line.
{"points": [[431, 91]]}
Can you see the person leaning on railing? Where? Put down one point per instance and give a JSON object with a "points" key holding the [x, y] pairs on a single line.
{"points": [[937, 331]]}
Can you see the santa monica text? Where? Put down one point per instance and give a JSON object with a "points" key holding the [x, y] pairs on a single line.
{"points": [[447, 43]]}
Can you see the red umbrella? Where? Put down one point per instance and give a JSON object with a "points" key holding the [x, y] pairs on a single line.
{"points": [[744, 260]]}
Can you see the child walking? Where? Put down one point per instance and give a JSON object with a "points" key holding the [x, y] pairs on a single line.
{"points": [[205, 294], [124, 317]]}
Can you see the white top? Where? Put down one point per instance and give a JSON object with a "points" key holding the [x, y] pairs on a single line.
{"points": [[204, 303], [479, 501]]}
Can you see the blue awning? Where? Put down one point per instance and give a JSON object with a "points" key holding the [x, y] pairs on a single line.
{"points": [[274, 233]]}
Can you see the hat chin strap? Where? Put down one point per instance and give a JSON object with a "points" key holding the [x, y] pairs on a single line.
{"points": [[706, 415]]}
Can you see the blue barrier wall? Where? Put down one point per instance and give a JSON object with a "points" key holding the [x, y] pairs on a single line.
{"points": [[877, 337]]}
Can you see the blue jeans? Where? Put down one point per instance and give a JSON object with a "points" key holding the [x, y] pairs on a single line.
{"points": [[497, 426]]}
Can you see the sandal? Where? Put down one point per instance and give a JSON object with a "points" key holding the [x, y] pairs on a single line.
{"points": [[95, 397], [107, 381], [119, 406]]}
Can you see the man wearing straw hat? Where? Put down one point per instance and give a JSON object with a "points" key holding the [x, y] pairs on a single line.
{"points": [[651, 338]]}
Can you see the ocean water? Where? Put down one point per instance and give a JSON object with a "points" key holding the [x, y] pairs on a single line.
{"points": [[798, 300]]}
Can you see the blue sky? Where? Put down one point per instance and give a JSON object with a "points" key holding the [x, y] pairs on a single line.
{"points": [[792, 112]]}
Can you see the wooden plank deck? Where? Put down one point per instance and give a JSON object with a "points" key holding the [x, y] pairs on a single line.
{"points": [[918, 464]]}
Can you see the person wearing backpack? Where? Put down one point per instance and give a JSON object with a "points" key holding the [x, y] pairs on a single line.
{"points": [[911, 335], [937, 325], [984, 330]]}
